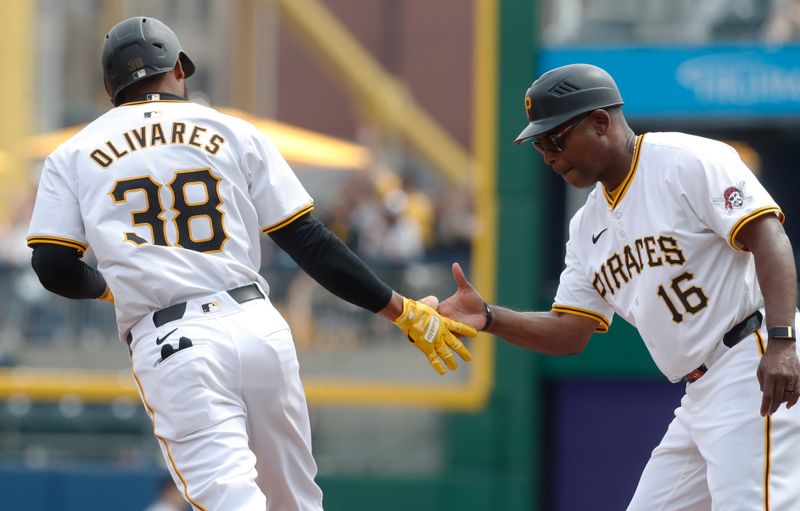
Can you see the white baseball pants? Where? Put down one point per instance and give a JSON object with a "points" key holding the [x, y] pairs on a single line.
{"points": [[719, 453], [228, 411]]}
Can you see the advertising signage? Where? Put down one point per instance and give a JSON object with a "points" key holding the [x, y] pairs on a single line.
{"points": [[711, 81]]}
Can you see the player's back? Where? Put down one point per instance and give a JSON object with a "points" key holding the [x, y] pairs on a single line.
{"points": [[172, 197]]}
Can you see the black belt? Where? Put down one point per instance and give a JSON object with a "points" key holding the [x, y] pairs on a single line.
{"points": [[174, 312], [739, 331]]}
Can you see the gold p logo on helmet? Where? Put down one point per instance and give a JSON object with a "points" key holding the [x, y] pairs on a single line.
{"points": [[528, 106]]}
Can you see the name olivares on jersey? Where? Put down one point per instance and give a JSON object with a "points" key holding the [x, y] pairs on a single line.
{"points": [[621, 268], [153, 135]]}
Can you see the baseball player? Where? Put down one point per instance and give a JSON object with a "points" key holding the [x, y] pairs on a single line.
{"points": [[680, 239], [172, 196]]}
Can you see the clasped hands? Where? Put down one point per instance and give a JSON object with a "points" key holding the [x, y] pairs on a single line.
{"points": [[433, 334]]}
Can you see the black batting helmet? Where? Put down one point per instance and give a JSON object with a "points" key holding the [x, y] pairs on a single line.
{"points": [[139, 48], [564, 93]]}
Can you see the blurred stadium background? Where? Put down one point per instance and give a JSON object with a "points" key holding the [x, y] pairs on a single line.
{"points": [[398, 115]]}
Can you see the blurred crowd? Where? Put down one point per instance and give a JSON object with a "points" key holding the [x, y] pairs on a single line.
{"points": [[407, 228], [783, 24], [395, 221], [566, 22]]}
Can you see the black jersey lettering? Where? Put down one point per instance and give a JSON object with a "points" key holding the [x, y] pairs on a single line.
{"points": [[631, 263], [672, 252], [157, 136], [141, 136], [652, 250], [620, 268], [178, 129], [115, 150], [101, 158], [599, 285], [196, 132], [214, 144], [616, 268]]}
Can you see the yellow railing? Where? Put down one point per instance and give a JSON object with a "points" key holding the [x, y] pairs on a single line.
{"points": [[15, 102], [375, 89], [45, 385]]}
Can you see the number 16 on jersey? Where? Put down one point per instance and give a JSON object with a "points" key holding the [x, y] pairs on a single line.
{"points": [[692, 298]]}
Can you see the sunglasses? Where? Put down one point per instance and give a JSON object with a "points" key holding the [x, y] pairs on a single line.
{"points": [[554, 142]]}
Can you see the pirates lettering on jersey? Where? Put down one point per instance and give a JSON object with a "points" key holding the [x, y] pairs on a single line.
{"points": [[154, 135], [648, 251]]}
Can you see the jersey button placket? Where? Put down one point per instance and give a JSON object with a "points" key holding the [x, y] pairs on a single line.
{"points": [[618, 216]]}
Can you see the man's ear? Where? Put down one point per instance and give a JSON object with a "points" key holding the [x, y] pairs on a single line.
{"points": [[178, 71], [601, 120]]}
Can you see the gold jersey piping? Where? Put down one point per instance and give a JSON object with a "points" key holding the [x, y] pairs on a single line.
{"points": [[57, 240], [615, 196], [291, 218], [602, 322]]}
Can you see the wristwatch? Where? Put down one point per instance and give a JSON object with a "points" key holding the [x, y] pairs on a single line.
{"points": [[781, 332], [489, 317]]}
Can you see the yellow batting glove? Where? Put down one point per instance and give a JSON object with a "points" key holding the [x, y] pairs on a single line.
{"points": [[433, 334], [107, 296]]}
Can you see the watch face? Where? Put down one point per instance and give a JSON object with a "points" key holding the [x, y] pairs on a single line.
{"points": [[781, 332]]}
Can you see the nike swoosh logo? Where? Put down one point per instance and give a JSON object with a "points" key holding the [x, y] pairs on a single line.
{"points": [[597, 236], [159, 340]]}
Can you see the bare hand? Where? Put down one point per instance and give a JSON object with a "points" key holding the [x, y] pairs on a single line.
{"points": [[466, 304], [779, 371]]}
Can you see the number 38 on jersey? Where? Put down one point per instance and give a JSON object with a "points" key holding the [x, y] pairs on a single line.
{"points": [[197, 216]]}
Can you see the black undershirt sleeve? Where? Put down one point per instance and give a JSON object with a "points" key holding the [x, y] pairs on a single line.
{"points": [[328, 261], [315, 249], [61, 271]]}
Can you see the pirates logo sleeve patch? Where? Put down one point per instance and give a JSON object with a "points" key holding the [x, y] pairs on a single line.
{"points": [[732, 198]]}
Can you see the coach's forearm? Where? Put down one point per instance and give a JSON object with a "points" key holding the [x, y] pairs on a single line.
{"points": [[778, 281], [775, 269], [550, 332]]}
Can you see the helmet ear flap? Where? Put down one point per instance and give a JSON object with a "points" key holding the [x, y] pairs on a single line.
{"points": [[188, 65]]}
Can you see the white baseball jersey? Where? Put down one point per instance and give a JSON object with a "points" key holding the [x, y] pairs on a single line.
{"points": [[171, 196], [662, 252]]}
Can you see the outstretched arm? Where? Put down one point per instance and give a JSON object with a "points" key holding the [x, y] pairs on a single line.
{"points": [[550, 332], [328, 261]]}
